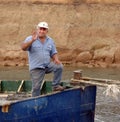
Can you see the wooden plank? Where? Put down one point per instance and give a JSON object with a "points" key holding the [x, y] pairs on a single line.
{"points": [[42, 84], [109, 81], [112, 90], [88, 82], [92, 83], [19, 89], [5, 108], [3, 95]]}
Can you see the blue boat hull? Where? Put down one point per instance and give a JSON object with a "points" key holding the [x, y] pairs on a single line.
{"points": [[73, 105]]}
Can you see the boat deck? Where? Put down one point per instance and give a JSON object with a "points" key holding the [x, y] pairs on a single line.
{"points": [[13, 91]]}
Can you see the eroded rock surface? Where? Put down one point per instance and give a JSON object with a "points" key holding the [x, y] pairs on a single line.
{"points": [[85, 32]]}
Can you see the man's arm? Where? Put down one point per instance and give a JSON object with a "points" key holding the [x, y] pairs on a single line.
{"points": [[55, 59], [26, 45]]}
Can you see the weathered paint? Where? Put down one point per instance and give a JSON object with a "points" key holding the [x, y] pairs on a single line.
{"points": [[72, 105]]}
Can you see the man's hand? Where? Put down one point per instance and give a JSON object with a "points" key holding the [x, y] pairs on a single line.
{"points": [[26, 45], [34, 36], [55, 59]]}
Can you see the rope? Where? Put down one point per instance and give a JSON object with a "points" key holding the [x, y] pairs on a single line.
{"points": [[111, 89]]}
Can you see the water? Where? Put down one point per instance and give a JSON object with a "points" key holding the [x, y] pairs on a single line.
{"points": [[107, 108]]}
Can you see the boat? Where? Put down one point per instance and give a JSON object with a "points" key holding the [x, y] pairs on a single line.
{"points": [[74, 104]]}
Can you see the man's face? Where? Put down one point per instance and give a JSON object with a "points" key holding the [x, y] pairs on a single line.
{"points": [[42, 32]]}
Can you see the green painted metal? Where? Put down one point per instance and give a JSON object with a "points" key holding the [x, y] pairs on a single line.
{"points": [[12, 86], [47, 87], [27, 86], [0, 85], [9, 85]]}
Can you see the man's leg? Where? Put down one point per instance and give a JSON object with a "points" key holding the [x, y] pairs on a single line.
{"points": [[57, 70], [37, 76]]}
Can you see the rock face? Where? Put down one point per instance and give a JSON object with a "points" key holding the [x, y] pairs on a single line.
{"points": [[86, 34]]}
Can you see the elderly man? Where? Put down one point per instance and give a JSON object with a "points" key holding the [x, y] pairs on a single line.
{"points": [[41, 49]]}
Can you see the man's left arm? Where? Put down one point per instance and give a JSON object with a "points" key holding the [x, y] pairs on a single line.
{"points": [[54, 54], [55, 59]]}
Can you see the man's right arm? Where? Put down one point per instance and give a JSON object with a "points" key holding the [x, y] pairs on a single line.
{"points": [[26, 45]]}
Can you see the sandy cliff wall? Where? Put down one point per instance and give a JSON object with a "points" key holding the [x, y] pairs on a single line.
{"points": [[86, 34], [63, 1]]}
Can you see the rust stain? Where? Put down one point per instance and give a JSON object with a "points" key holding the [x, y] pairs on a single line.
{"points": [[5, 108]]}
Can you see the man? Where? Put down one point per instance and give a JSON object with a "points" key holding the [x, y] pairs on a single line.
{"points": [[41, 49]]}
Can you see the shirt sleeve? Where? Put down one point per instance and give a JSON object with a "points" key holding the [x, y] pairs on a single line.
{"points": [[53, 50], [27, 40]]}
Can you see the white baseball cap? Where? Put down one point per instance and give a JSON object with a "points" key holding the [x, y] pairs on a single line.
{"points": [[43, 25]]}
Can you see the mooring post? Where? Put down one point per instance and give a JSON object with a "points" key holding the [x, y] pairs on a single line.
{"points": [[77, 74], [76, 78]]}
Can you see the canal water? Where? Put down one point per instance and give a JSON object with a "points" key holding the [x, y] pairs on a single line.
{"points": [[107, 108]]}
